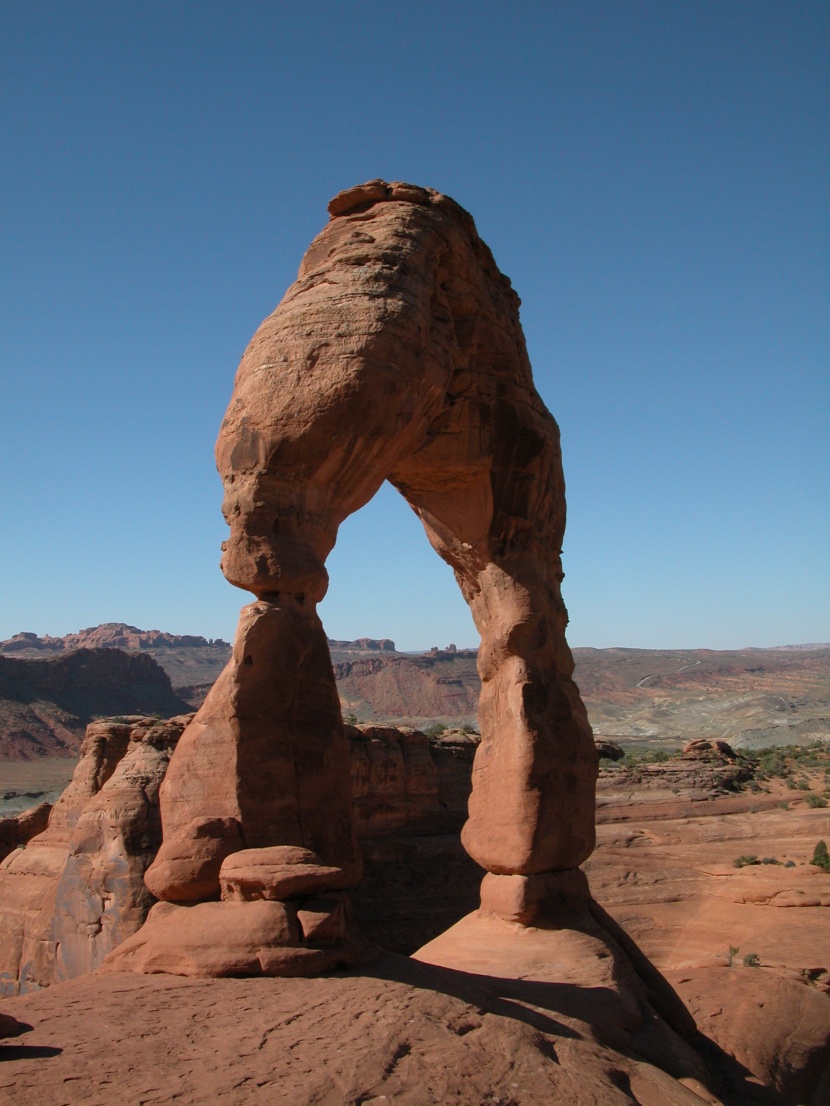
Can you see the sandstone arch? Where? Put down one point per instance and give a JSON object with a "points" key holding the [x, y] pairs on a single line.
{"points": [[397, 355]]}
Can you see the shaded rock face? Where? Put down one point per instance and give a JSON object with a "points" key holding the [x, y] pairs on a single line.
{"points": [[19, 829], [397, 355], [410, 801], [77, 889]]}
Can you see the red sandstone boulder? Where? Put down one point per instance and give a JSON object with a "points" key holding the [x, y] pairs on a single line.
{"points": [[281, 872], [704, 749]]}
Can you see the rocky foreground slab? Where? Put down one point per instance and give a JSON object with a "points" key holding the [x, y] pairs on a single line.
{"points": [[519, 1016]]}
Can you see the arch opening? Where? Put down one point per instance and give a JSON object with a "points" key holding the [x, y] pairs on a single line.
{"points": [[397, 355]]}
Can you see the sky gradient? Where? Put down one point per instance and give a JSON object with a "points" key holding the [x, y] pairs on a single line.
{"points": [[652, 176]]}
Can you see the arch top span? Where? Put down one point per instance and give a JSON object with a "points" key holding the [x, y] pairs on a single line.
{"points": [[396, 355]]}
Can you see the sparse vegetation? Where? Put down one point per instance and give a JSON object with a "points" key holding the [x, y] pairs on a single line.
{"points": [[636, 757], [821, 857], [745, 861], [752, 960], [435, 730], [816, 801]]}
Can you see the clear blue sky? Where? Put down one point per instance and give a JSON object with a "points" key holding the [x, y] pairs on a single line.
{"points": [[653, 176]]}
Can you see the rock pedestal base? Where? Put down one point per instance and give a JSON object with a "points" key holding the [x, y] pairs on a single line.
{"points": [[569, 961], [282, 913]]}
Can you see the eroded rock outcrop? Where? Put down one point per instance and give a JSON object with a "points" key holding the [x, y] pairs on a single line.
{"points": [[18, 829], [397, 355], [77, 889]]}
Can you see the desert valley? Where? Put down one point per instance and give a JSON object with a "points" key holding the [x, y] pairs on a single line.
{"points": [[704, 858]]}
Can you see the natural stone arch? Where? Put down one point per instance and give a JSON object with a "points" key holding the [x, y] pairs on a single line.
{"points": [[398, 354]]}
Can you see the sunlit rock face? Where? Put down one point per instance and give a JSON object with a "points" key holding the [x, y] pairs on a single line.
{"points": [[397, 355], [76, 890]]}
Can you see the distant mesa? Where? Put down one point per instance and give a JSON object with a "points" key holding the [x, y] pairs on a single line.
{"points": [[46, 702], [109, 635], [752, 697], [120, 635]]}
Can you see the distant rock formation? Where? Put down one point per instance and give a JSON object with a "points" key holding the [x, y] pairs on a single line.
{"points": [[397, 355], [701, 749], [411, 687], [384, 644], [109, 635], [45, 704]]}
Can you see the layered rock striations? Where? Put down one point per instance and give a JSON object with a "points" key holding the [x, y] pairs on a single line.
{"points": [[109, 635], [76, 890], [397, 355], [73, 886]]}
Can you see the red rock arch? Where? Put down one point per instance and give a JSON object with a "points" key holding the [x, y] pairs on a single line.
{"points": [[397, 355]]}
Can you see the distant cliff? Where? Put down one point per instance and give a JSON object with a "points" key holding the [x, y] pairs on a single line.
{"points": [[46, 704], [110, 635]]}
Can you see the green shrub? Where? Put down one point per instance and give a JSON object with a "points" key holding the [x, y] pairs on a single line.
{"points": [[745, 861], [816, 801], [752, 960], [821, 858], [731, 953], [435, 730]]}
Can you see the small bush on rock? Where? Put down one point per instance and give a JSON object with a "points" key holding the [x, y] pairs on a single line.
{"points": [[821, 858], [745, 861]]}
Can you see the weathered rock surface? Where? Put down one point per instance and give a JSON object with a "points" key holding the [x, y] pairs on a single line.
{"points": [[281, 872], [237, 938], [396, 1031], [19, 829], [77, 889], [267, 753], [410, 799], [665, 869], [399, 355]]}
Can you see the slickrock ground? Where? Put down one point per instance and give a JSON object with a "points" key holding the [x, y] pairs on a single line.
{"points": [[664, 869], [396, 1032], [668, 835]]}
